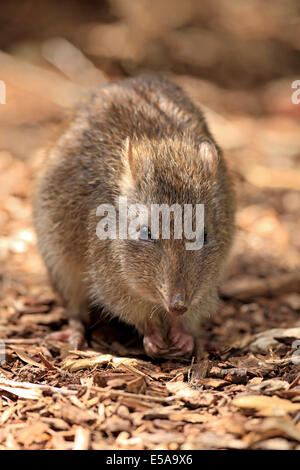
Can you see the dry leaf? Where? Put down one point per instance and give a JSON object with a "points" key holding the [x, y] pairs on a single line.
{"points": [[266, 340], [25, 358], [187, 394], [213, 383], [32, 433], [74, 365], [74, 415], [269, 386], [272, 427], [267, 406], [136, 385]]}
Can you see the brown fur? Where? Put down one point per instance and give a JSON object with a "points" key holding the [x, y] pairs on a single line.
{"points": [[169, 158]]}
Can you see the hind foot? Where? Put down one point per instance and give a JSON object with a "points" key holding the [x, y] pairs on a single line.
{"points": [[74, 335]]}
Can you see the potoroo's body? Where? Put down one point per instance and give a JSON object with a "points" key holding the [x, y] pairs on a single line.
{"points": [[144, 139]]}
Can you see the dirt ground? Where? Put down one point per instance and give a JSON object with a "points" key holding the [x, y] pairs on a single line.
{"points": [[245, 394]]}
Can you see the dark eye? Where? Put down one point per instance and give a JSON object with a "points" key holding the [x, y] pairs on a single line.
{"points": [[205, 237], [145, 234]]}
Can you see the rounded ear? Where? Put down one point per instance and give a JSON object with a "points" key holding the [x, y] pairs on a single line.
{"points": [[135, 164], [128, 151], [209, 156], [128, 159]]}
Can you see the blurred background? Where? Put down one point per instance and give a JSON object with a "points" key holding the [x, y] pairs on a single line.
{"points": [[237, 59]]}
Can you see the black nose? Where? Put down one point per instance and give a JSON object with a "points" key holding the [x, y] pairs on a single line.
{"points": [[177, 305]]}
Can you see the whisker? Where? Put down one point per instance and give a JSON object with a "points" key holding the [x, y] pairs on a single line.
{"points": [[154, 310]]}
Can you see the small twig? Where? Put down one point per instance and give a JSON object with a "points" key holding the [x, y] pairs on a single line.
{"points": [[278, 362], [136, 371], [138, 396], [6, 383], [22, 340], [47, 363], [294, 382], [190, 369]]}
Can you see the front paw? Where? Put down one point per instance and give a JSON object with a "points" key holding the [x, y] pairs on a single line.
{"points": [[181, 342], [154, 343], [178, 343]]}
